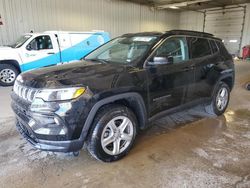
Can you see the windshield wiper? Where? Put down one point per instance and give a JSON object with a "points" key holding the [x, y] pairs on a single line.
{"points": [[9, 45], [99, 60]]}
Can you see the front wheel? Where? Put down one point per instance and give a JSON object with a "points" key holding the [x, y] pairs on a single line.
{"points": [[113, 133], [8, 74], [220, 100]]}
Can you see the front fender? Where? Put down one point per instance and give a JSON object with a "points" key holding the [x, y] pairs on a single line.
{"points": [[10, 56], [140, 103]]}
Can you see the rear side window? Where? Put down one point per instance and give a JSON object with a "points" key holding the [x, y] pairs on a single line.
{"points": [[214, 46], [222, 48], [200, 47]]}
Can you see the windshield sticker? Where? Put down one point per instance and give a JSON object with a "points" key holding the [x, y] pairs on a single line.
{"points": [[143, 39]]}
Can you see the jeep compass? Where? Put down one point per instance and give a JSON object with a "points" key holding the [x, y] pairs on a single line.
{"points": [[103, 100]]}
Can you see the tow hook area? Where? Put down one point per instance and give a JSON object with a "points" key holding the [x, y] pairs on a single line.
{"points": [[76, 153]]}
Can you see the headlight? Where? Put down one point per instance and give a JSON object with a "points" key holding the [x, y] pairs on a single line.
{"points": [[51, 95]]}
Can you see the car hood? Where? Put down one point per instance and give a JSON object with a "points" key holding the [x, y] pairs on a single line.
{"points": [[8, 53], [92, 74]]}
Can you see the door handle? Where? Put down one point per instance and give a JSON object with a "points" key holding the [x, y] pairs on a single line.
{"points": [[188, 68], [51, 53]]}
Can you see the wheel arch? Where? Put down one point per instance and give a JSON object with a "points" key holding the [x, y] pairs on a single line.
{"points": [[132, 100], [229, 81], [13, 63]]}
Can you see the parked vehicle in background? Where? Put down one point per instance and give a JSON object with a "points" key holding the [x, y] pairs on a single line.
{"points": [[246, 52], [36, 50], [119, 89]]}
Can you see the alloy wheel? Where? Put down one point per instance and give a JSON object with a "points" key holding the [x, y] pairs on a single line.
{"points": [[222, 99], [117, 135]]}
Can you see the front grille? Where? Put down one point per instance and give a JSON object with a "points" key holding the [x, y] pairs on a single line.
{"points": [[24, 129], [25, 93], [26, 133]]}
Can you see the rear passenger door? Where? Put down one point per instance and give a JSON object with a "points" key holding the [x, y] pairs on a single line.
{"points": [[204, 59]]}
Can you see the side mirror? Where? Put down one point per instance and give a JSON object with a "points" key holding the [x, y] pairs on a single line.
{"points": [[28, 47], [162, 60]]}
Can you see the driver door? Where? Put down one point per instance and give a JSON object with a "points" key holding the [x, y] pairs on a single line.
{"points": [[42, 51], [170, 73]]}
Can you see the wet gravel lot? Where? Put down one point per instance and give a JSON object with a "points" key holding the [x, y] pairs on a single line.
{"points": [[186, 149]]}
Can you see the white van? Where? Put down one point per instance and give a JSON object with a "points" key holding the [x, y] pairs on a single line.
{"points": [[36, 50]]}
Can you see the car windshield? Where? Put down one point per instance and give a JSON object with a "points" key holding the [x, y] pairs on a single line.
{"points": [[20, 41], [123, 50]]}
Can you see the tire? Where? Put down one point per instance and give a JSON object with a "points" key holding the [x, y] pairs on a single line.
{"points": [[8, 74], [214, 108], [103, 132]]}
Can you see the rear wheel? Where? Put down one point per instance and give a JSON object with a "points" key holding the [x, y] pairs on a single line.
{"points": [[113, 133], [220, 100], [8, 74]]}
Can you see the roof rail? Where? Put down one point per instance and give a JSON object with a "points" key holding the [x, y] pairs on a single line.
{"points": [[189, 32]]}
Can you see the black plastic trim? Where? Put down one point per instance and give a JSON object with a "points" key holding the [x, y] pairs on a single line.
{"points": [[109, 100]]}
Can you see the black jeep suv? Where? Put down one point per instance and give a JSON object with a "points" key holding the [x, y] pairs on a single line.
{"points": [[118, 89]]}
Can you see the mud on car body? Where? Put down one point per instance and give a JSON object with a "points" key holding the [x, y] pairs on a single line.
{"points": [[118, 89]]}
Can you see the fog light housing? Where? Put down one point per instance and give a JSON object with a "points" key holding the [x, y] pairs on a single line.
{"points": [[53, 127], [51, 131]]}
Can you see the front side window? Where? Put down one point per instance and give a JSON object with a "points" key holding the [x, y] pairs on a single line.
{"points": [[200, 47], [123, 50], [40, 43], [173, 50]]}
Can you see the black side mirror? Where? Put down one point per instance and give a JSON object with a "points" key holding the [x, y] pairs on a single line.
{"points": [[170, 60], [162, 60], [28, 47]]}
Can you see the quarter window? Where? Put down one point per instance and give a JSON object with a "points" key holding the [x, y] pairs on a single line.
{"points": [[40, 43], [214, 46], [174, 49], [200, 47], [221, 47]]}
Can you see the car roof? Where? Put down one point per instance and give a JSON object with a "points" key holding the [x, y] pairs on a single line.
{"points": [[192, 33], [65, 32], [189, 32], [143, 34], [174, 32]]}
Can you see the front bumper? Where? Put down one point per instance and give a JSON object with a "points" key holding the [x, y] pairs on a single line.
{"points": [[46, 145], [72, 118]]}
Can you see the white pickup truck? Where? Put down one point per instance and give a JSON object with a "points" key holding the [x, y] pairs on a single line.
{"points": [[36, 50]]}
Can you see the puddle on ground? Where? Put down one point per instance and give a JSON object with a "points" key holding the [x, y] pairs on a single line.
{"points": [[238, 120], [240, 114], [191, 117], [197, 117]]}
